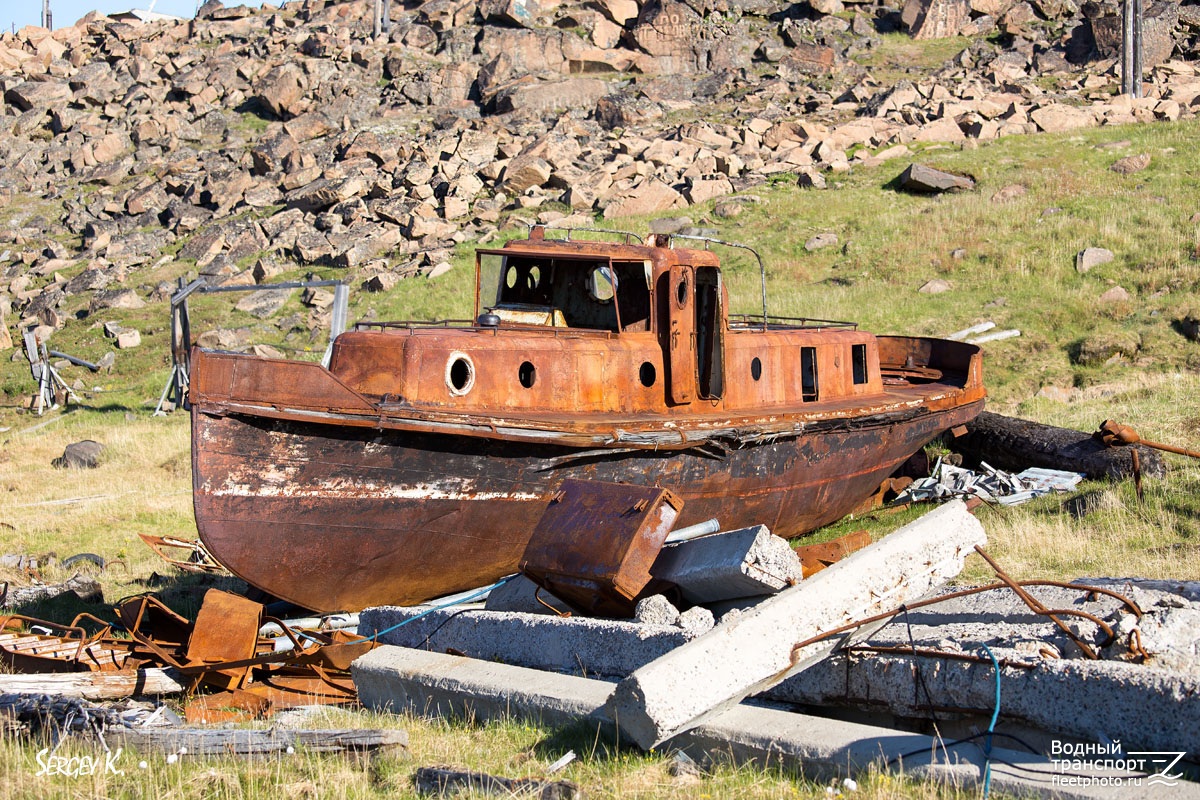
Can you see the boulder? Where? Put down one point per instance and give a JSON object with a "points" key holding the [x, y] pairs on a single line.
{"points": [[265, 303], [647, 198], [80, 455], [927, 180], [1058, 118], [1131, 164], [1092, 257], [281, 90], [936, 19]]}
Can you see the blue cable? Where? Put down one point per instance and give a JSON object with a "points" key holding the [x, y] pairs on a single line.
{"points": [[459, 601], [987, 746]]}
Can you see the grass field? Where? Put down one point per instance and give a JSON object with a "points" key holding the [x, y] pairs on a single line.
{"points": [[1011, 262]]}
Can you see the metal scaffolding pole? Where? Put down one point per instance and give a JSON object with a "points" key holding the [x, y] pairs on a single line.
{"points": [[47, 16], [1131, 48]]}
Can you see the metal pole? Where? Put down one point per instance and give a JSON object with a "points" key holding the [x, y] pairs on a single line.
{"points": [[1137, 48], [377, 21], [1127, 47], [387, 16], [47, 16]]}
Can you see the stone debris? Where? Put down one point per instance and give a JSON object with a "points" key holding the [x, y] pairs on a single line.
{"points": [[287, 135], [989, 484]]}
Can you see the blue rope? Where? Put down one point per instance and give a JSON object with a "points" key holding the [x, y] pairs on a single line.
{"points": [[480, 593], [987, 745]]}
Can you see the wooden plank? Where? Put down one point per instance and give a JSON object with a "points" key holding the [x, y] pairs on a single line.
{"points": [[95, 685], [204, 741]]}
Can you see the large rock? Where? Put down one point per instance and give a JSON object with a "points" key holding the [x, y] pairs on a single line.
{"points": [[647, 198], [1058, 118], [936, 19], [282, 91], [927, 180], [669, 31], [80, 455], [38, 94], [1159, 21]]}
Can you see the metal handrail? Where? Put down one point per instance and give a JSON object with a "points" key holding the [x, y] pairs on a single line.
{"points": [[762, 269], [569, 230]]}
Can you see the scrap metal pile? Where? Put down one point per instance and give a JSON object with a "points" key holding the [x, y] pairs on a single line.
{"points": [[150, 649]]}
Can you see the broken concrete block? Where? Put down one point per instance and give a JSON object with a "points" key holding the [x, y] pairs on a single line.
{"points": [[757, 650], [436, 684], [564, 644], [725, 566], [523, 595], [401, 679], [655, 610]]}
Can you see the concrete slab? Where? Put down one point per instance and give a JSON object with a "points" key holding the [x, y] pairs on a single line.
{"points": [[574, 645], [757, 649], [728, 565], [522, 595], [400, 679]]}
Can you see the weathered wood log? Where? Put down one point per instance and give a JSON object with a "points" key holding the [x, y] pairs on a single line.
{"points": [[1016, 444], [446, 781], [95, 685], [205, 741]]}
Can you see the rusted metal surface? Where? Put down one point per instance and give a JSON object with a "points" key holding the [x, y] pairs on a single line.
{"points": [[816, 557], [66, 648], [1113, 433], [225, 630], [419, 463], [595, 543], [221, 650], [198, 559]]}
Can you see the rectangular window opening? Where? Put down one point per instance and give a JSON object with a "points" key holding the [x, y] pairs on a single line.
{"points": [[808, 374], [858, 356]]}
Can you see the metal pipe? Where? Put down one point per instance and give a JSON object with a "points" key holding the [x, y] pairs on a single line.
{"points": [[958, 336], [79, 362], [693, 531], [327, 623], [994, 337]]}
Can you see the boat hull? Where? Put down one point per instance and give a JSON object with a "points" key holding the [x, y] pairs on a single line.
{"points": [[339, 518]]}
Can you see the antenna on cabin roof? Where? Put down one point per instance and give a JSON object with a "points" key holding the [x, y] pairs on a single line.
{"points": [[47, 16]]}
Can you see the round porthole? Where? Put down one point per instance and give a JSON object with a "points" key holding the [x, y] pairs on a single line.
{"points": [[756, 368], [681, 292], [527, 374], [460, 374], [647, 374]]}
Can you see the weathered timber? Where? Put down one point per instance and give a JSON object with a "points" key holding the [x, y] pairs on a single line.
{"points": [[446, 781], [202, 741], [95, 685], [1015, 444]]}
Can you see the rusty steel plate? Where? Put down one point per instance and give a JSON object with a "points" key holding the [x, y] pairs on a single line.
{"points": [[596, 542]]}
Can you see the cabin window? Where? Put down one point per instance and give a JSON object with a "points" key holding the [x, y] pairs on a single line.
{"points": [[808, 374], [600, 285], [647, 374], [756, 368], [858, 356], [527, 374], [589, 293], [460, 374]]}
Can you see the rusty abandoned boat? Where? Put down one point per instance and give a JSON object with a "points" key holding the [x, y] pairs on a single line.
{"points": [[420, 461]]}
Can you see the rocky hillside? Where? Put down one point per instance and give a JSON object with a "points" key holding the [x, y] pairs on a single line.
{"points": [[247, 142]]}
